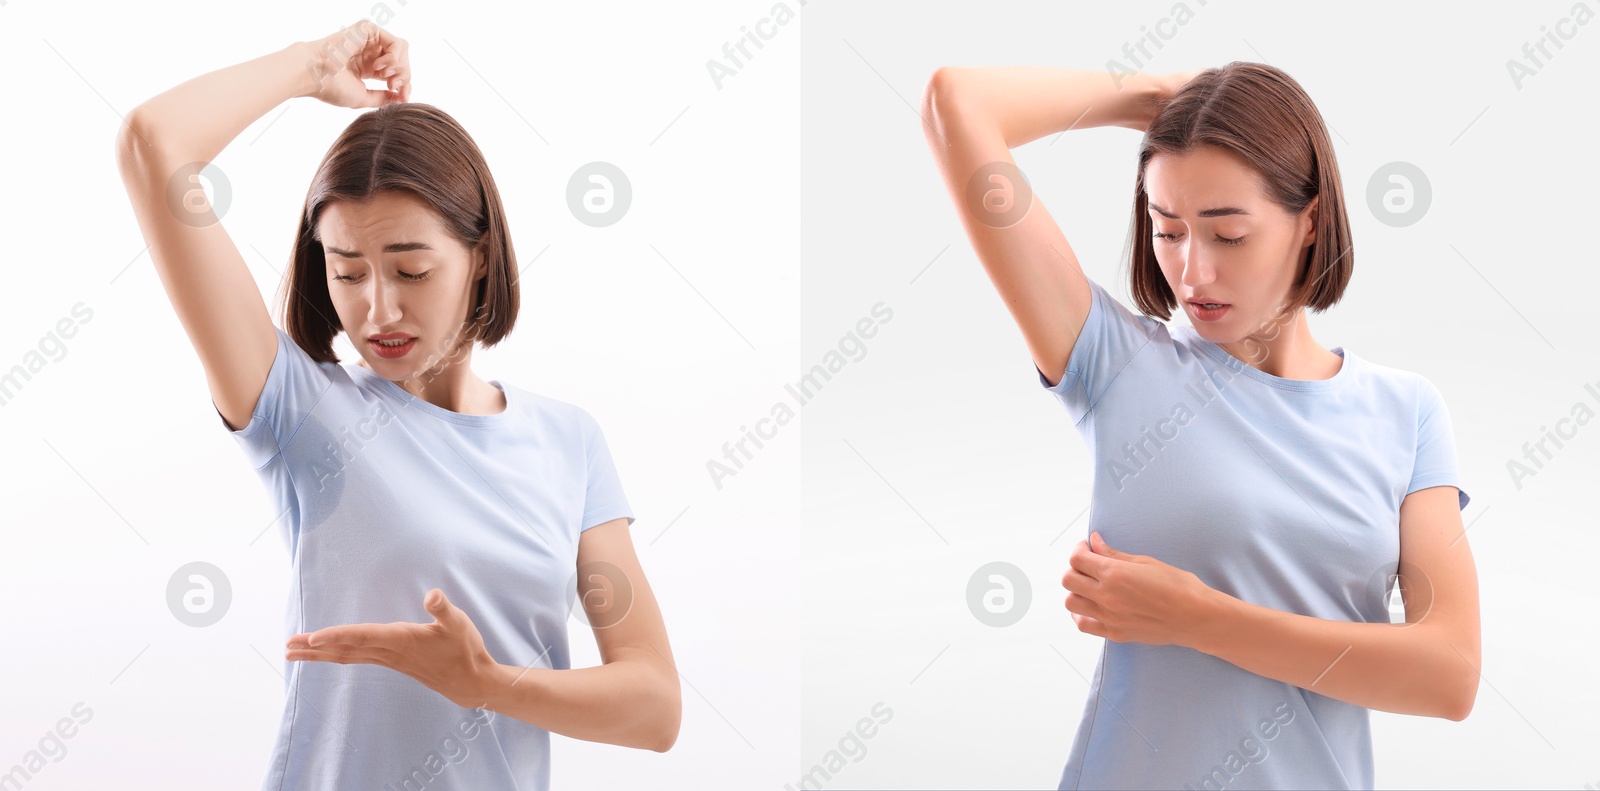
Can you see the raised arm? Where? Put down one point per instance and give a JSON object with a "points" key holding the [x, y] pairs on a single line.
{"points": [[973, 117], [160, 152]]}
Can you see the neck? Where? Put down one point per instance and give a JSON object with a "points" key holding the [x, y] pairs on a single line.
{"points": [[452, 386], [1285, 349]]}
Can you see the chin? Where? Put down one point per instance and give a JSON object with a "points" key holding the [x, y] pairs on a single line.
{"points": [[1215, 332]]}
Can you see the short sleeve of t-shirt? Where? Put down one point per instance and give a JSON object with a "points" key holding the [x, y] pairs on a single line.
{"points": [[1436, 444], [294, 385], [603, 498], [1111, 336]]}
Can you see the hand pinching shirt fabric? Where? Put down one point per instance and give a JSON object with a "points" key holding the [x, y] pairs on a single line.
{"points": [[1281, 492]]}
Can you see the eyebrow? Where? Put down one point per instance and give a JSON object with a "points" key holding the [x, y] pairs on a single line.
{"points": [[395, 247], [1220, 211]]}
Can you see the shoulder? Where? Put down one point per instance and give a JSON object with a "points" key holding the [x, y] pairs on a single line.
{"points": [[291, 354], [1397, 381], [1408, 388], [554, 412], [1115, 323], [1118, 309]]}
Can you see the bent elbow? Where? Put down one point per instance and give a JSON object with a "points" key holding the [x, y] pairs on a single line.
{"points": [[665, 741], [938, 100], [141, 160], [132, 144], [1464, 701], [670, 719], [937, 88]]}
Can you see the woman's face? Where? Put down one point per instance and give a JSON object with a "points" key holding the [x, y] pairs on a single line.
{"points": [[1219, 239], [392, 268]]}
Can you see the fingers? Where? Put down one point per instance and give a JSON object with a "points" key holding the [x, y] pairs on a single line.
{"points": [[1089, 625], [342, 654], [1084, 560], [374, 53], [1083, 605], [441, 609], [386, 40], [394, 64], [1078, 582], [365, 634], [338, 644], [1098, 543]]}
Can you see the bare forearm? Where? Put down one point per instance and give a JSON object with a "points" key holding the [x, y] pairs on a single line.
{"points": [[194, 121], [1403, 668], [634, 701], [1025, 103]]}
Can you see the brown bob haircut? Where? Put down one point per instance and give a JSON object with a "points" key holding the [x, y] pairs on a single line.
{"points": [[1264, 117], [419, 149]]}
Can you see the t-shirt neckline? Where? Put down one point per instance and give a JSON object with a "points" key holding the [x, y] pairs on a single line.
{"points": [[1221, 355], [410, 400]]}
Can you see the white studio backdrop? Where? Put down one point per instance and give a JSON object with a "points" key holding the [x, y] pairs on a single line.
{"points": [[936, 451], [931, 453], [674, 326]]}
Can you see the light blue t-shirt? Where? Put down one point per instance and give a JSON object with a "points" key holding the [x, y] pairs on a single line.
{"points": [[1284, 493], [383, 496]]}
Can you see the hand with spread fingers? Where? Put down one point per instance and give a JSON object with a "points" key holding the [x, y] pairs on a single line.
{"points": [[1125, 597], [448, 655]]}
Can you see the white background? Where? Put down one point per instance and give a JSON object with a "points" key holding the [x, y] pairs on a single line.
{"points": [[117, 470], [943, 429]]}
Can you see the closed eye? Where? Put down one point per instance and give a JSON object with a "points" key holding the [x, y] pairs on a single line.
{"points": [[1223, 239], [412, 278]]}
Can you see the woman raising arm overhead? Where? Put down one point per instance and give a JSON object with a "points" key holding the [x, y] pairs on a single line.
{"points": [[438, 525], [1255, 494]]}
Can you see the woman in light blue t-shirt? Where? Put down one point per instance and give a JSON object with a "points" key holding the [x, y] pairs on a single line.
{"points": [[440, 528], [1256, 496]]}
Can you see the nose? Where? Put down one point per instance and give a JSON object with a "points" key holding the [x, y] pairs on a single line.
{"points": [[383, 306], [1197, 270]]}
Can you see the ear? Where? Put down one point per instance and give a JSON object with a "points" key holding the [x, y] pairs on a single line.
{"points": [[1311, 216], [481, 268]]}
